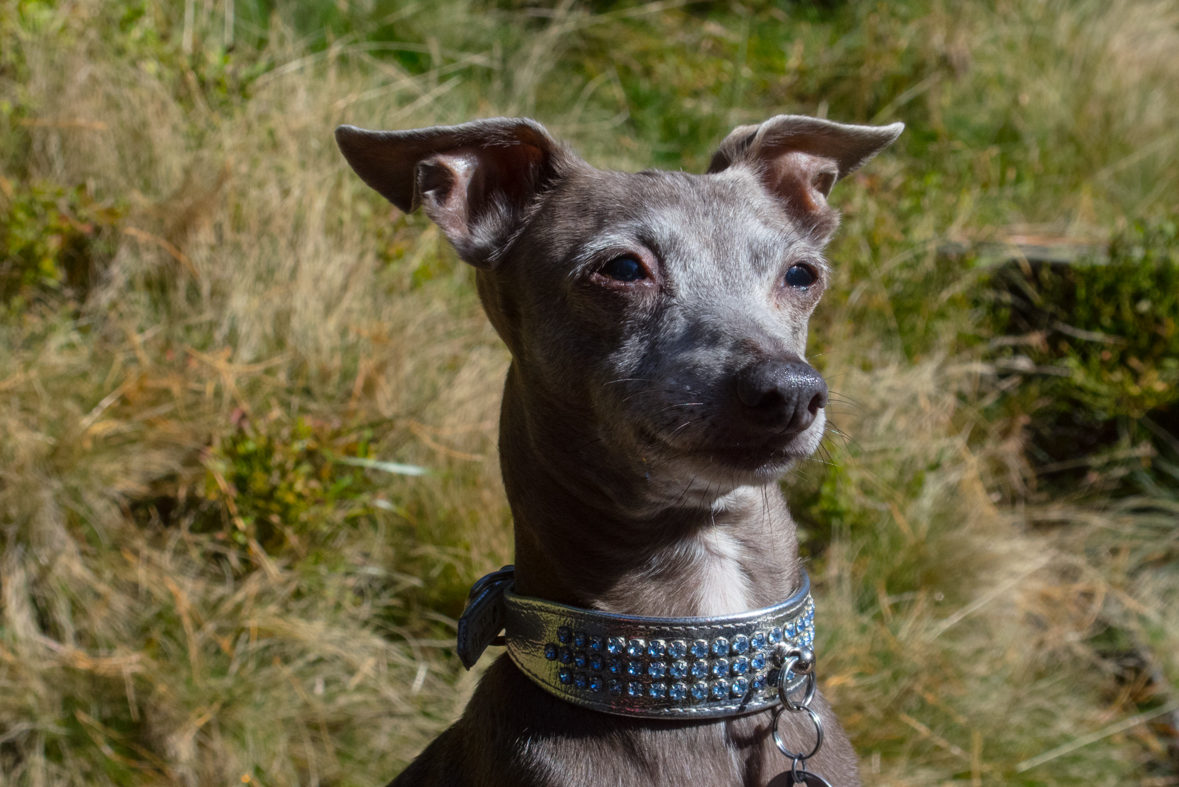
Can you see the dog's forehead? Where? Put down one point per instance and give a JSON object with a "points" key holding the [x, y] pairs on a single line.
{"points": [[679, 216]]}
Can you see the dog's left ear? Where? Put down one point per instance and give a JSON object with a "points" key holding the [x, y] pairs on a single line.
{"points": [[475, 181], [799, 159]]}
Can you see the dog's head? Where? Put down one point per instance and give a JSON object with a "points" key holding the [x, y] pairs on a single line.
{"points": [[660, 316]]}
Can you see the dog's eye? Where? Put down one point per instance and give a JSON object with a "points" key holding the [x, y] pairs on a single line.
{"points": [[624, 269], [800, 276]]}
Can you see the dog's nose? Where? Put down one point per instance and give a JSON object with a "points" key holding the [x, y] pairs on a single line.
{"points": [[783, 394]]}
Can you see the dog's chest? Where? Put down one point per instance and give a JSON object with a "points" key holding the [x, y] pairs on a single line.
{"points": [[726, 754], [722, 582]]}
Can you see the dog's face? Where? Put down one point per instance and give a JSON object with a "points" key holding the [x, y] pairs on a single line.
{"points": [[651, 316], [660, 316]]}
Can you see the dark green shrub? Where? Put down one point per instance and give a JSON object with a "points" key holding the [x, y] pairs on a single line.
{"points": [[284, 488], [1096, 345]]}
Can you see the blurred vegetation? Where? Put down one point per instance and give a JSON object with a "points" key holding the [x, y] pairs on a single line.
{"points": [[51, 240], [221, 356], [1094, 350]]}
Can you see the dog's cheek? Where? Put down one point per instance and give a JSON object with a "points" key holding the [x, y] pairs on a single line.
{"points": [[502, 310]]}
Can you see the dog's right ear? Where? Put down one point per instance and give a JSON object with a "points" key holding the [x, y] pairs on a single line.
{"points": [[475, 181]]}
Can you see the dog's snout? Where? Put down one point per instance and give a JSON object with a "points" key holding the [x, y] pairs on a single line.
{"points": [[783, 394]]}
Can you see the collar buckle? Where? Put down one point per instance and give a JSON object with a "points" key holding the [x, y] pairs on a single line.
{"points": [[484, 617]]}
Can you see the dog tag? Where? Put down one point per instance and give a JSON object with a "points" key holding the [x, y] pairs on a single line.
{"points": [[483, 619], [786, 779]]}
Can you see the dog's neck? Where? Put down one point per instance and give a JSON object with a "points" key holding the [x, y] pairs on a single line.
{"points": [[579, 540]]}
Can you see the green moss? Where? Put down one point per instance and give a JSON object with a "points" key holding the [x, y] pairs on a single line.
{"points": [[52, 239]]}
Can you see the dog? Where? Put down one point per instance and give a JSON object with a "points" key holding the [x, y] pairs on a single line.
{"points": [[657, 392]]}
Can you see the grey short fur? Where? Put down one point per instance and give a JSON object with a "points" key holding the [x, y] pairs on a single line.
{"points": [[646, 420]]}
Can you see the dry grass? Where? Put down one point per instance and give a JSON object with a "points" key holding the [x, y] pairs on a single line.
{"points": [[258, 286]]}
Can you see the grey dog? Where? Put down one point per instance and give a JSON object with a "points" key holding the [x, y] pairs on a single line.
{"points": [[657, 324]]}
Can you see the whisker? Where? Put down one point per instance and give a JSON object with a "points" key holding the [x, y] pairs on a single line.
{"points": [[687, 486], [844, 397], [681, 404]]}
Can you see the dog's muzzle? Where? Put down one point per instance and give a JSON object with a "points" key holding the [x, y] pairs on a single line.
{"points": [[642, 666]]}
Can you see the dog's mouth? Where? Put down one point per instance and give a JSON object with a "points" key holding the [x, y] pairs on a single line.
{"points": [[756, 460], [759, 455]]}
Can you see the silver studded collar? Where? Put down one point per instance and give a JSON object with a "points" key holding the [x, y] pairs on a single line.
{"points": [[693, 667]]}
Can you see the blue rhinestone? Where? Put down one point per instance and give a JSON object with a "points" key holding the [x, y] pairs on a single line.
{"points": [[564, 634], [775, 635], [720, 689], [657, 690], [656, 669], [597, 644], [580, 680], [565, 675], [700, 649], [634, 689], [656, 648], [550, 652], [739, 687], [699, 692], [720, 668], [678, 692], [614, 687], [757, 641], [579, 639], [635, 648], [596, 662], [740, 666], [679, 669], [720, 646], [791, 630], [596, 684], [699, 669], [614, 646], [634, 669], [759, 682], [677, 649], [565, 655], [614, 667], [757, 661], [740, 645], [580, 659]]}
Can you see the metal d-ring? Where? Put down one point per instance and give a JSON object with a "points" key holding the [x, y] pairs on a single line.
{"points": [[809, 678], [798, 758]]}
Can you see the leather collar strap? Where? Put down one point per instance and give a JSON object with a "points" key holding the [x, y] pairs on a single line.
{"points": [[692, 668]]}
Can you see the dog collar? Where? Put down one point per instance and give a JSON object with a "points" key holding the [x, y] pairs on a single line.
{"points": [[648, 667]]}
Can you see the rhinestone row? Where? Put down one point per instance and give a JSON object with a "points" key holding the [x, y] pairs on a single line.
{"points": [[698, 671]]}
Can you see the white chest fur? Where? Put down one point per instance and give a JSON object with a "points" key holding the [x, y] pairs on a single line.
{"points": [[723, 587]]}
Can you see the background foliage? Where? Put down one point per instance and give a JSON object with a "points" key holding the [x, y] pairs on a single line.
{"points": [[222, 359]]}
